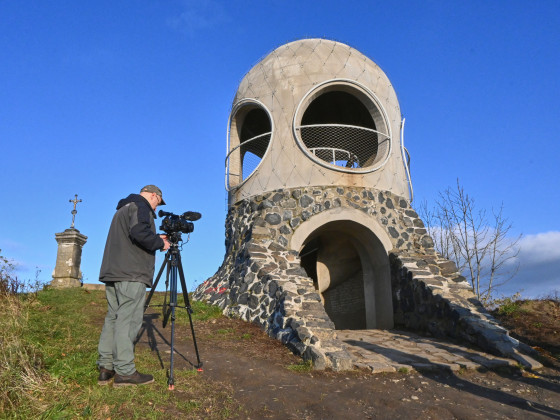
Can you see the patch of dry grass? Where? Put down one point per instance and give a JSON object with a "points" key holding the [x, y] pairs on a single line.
{"points": [[535, 322], [23, 381], [49, 348]]}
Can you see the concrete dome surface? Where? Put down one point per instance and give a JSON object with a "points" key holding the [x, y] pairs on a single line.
{"points": [[312, 112]]}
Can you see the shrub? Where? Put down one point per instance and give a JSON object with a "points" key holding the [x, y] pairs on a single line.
{"points": [[9, 284]]}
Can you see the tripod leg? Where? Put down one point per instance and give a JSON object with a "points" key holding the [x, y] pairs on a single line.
{"points": [[165, 309], [147, 303], [171, 380], [171, 312], [184, 286], [189, 311], [172, 277]]}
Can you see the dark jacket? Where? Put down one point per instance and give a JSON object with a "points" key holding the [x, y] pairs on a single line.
{"points": [[131, 243]]}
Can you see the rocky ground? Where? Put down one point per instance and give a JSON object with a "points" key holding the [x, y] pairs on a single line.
{"points": [[269, 382]]}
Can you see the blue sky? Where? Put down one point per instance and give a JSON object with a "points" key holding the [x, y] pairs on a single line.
{"points": [[101, 98]]}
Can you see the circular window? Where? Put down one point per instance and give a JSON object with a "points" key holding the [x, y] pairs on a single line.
{"points": [[249, 136], [341, 125]]}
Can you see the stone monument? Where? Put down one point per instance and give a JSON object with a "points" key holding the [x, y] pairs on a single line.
{"points": [[69, 256], [320, 232]]}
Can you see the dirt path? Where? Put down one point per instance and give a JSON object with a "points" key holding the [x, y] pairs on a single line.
{"points": [[256, 366]]}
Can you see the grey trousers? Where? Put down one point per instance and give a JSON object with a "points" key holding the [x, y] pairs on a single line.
{"points": [[125, 311]]}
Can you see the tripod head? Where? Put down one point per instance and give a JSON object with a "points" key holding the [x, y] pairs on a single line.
{"points": [[174, 238]]}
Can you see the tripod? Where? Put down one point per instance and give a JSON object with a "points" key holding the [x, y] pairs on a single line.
{"points": [[174, 266]]}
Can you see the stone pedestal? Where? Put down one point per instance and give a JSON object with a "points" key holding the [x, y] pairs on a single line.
{"points": [[67, 271]]}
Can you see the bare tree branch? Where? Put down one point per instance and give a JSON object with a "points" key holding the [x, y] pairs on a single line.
{"points": [[461, 232]]}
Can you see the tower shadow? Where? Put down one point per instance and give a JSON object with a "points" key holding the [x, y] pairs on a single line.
{"points": [[465, 386]]}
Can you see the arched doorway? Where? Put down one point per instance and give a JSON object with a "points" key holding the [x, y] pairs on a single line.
{"points": [[336, 269], [350, 269]]}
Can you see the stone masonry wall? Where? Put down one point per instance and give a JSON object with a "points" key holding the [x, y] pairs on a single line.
{"points": [[431, 296], [261, 280]]}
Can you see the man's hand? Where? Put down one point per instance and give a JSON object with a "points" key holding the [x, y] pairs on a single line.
{"points": [[166, 243]]}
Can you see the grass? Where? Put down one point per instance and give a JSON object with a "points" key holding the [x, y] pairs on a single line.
{"points": [[49, 348], [303, 367], [21, 375], [535, 322], [201, 311], [49, 343], [509, 306]]}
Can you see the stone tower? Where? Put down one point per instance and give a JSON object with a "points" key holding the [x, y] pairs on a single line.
{"points": [[68, 259], [67, 272], [320, 232]]}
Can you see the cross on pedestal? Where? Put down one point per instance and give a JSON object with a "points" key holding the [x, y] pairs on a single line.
{"points": [[75, 201]]}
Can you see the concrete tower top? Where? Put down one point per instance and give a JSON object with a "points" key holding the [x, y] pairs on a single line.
{"points": [[314, 112]]}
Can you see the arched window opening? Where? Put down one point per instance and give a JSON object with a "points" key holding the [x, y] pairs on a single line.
{"points": [[250, 134]]}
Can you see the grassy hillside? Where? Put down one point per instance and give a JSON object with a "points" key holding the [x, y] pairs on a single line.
{"points": [[49, 340], [535, 322], [49, 348]]}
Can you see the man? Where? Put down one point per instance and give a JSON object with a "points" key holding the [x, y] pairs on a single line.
{"points": [[127, 269]]}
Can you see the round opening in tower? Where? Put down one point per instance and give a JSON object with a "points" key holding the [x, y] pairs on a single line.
{"points": [[250, 132], [341, 125]]}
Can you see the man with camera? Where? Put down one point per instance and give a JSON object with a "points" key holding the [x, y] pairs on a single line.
{"points": [[127, 269]]}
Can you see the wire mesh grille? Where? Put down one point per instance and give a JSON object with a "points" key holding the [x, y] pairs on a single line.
{"points": [[342, 145]]}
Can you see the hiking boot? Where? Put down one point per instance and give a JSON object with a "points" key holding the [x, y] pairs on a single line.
{"points": [[105, 376], [136, 378]]}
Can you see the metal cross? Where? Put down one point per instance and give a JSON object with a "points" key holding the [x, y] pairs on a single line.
{"points": [[75, 201]]}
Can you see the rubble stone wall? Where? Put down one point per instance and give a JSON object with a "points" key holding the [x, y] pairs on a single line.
{"points": [[261, 279]]}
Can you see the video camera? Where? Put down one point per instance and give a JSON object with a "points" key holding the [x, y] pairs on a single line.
{"points": [[173, 225]]}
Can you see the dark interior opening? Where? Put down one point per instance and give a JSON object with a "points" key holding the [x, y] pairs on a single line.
{"points": [[337, 128], [253, 128], [337, 259], [256, 123], [338, 107], [308, 260]]}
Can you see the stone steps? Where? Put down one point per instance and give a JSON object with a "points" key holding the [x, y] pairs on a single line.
{"points": [[392, 351], [466, 317]]}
